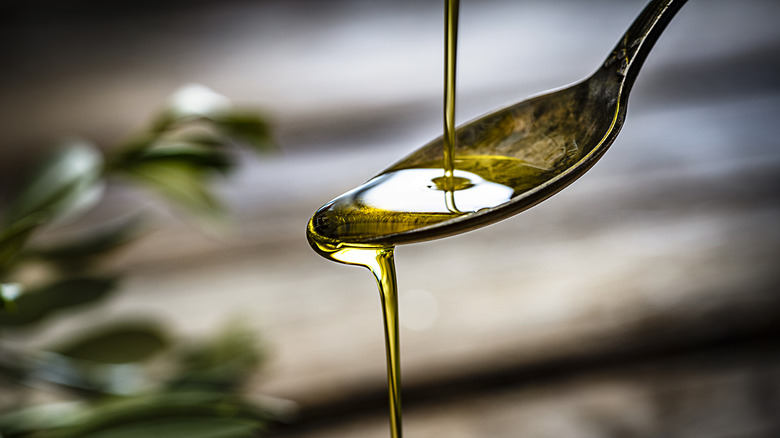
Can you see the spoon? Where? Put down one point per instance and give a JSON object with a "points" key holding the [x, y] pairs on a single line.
{"points": [[510, 160]]}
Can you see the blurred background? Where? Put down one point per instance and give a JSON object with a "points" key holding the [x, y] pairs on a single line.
{"points": [[642, 301]]}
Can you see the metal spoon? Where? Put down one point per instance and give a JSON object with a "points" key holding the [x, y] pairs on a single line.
{"points": [[562, 133]]}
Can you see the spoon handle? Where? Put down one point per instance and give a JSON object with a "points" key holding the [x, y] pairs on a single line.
{"points": [[629, 54]]}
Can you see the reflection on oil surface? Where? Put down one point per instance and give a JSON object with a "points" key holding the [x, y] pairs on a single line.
{"points": [[407, 199]]}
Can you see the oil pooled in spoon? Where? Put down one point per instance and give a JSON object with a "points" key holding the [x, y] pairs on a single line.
{"points": [[411, 198]]}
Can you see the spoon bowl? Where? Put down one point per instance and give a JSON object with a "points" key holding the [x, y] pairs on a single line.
{"points": [[506, 161]]}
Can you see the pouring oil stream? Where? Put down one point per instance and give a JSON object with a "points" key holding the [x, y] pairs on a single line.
{"points": [[506, 161]]}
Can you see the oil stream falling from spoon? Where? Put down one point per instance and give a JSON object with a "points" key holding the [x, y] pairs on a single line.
{"points": [[450, 60], [380, 261]]}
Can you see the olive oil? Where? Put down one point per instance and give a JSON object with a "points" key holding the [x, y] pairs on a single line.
{"points": [[408, 198], [405, 199], [379, 260]]}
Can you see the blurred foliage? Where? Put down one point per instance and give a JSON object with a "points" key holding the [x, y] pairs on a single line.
{"points": [[106, 380], [59, 295]]}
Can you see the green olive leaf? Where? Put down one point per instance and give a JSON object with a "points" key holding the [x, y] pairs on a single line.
{"points": [[67, 182], [203, 156], [196, 101], [170, 414], [118, 343], [36, 305], [193, 427], [14, 237], [85, 376], [98, 242], [27, 421], [183, 183], [221, 363], [245, 126]]}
